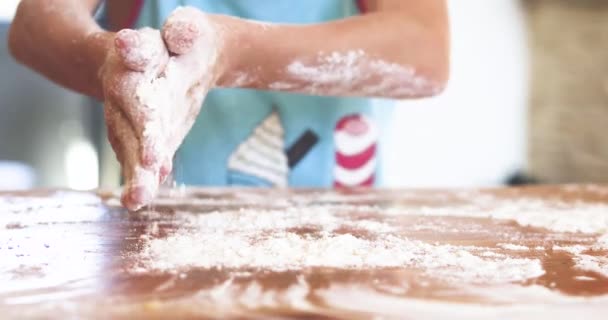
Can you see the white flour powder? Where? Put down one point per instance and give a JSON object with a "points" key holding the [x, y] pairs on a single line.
{"points": [[355, 73], [269, 239], [586, 262], [513, 247], [61, 207], [602, 243], [300, 238], [552, 215]]}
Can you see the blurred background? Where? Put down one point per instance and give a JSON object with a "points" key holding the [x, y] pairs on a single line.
{"points": [[527, 101]]}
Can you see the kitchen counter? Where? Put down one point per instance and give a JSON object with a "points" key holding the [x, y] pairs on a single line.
{"points": [[217, 253]]}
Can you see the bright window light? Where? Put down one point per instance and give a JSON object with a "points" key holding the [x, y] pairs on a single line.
{"points": [[7, 9], [81, 166]]}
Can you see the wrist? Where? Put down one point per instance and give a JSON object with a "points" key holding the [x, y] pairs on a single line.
{"points": [[95, 49], [222, 36], [234, 45]]}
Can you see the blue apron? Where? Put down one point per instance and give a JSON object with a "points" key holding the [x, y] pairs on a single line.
{"points": [[260, 138]]}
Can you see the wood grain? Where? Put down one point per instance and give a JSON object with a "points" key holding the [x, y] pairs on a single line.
{"points": [[65, 254]]}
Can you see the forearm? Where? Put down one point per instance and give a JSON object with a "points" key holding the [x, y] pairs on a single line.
{"points": [[57, 39], [380, 54]]}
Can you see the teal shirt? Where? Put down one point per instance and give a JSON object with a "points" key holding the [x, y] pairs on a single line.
{"points": [[260, 138]]}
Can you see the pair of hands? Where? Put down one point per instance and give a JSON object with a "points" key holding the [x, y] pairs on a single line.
{"points": [[154, 83]]}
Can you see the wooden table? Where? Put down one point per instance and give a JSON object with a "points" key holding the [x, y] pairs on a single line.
{"points": [[211, 253]]}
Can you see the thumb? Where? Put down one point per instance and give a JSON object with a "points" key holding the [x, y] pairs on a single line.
{"points": [[181, 30], [140, 50]]}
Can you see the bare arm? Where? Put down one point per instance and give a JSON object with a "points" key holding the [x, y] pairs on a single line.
{"points": [[61, 40], [399, 49]]}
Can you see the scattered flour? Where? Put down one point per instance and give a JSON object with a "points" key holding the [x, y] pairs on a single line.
{"points": [[265, 239], [274, 240], [586, 262], [240, 79], [56, 208], [59, 199], [591, 218], [591, 263], [602, 243], [513, 247], [583, 217], [575, 250]]}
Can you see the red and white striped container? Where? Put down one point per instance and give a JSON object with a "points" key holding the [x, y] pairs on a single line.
{"points": [[355, 140]]}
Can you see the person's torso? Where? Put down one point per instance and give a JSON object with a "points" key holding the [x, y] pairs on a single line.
{"points": [[259, 138]]}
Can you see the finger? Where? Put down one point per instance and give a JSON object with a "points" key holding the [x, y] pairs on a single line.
{"points": [[115, 143], [153, 42], [145, 124], [142, 118], [151, 149], [127, 43], [181, 123], [120, 86], [181, 30], [141, 189], [140, 50], [165, 170], [141, 184], [144, 113], [110, 114], [123, 140], [147, 129]]}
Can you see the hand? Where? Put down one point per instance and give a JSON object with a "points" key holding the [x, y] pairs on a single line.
{"points": [[136, 59], [192, 70], [152, 100]]}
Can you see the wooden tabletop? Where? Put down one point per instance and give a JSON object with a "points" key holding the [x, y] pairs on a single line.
{"points": [[246, 253]]}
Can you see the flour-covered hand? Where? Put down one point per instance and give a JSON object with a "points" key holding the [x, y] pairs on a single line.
{"points": [[152, 98], [193, 69], [135, 59]]}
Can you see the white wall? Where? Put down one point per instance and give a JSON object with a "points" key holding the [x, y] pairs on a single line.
{"points": [[7, 9], [474, 134]]}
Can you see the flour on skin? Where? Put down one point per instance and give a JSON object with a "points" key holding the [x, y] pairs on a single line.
{"points": [[170, 98], [355, 73]]}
